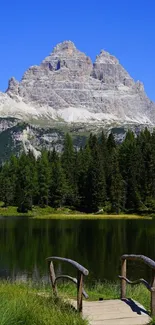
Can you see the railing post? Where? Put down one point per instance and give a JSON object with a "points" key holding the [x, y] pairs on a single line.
{"points": [[123, 282], [79, 291], [153, 294], [52, 277]]}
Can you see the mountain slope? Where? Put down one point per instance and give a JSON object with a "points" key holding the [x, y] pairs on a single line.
{"points": [[67, 87], [67, 92]]}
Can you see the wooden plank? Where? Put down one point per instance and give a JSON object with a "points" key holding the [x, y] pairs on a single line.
{"points": [[141, 258], [121, 321], [114, 312], [153, 295], [81, 268], [123, 282], [79, 291], [52, 278]]}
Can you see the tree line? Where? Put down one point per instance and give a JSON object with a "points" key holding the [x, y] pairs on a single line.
{"points": [[102, 175]]}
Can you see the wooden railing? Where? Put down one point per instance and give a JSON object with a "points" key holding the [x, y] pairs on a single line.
{"points": [[81, 272], [124, 279]]}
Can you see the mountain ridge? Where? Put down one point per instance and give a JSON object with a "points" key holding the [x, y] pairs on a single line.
{"points": [[68, 87], [68, 92]]}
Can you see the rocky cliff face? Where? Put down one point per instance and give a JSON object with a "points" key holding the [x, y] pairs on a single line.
{"points": [[67, 87], [68, 91]]}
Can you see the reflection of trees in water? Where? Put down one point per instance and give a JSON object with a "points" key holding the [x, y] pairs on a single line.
{"points": [[97, 244]]}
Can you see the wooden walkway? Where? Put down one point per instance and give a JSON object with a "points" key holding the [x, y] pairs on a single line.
{"points": [[114, 312], [109, 312]]}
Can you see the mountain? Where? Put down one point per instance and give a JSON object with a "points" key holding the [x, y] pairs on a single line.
{"points": [[68, 91]]}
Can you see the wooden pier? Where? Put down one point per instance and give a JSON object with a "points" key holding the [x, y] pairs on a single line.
{"points": [[114, 312], [123, 311]]}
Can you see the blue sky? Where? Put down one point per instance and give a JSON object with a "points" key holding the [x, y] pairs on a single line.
{"points": [[29, 29]]}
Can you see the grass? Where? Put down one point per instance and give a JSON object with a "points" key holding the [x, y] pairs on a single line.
{"points": [[29, 304], [105, 290], [63, 213], [83, 216], [20, 305]]}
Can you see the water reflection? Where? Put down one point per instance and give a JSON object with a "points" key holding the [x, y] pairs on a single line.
{"points": [[96, 244]]}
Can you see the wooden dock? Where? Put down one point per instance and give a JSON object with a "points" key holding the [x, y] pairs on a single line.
{"points": [[114, 312], [124, 311]]}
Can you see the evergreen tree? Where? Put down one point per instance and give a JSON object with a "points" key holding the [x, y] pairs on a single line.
{"points": [[102, 172], [34, 176], [116, 184], [103, 150], [111, 144], [13, 167], [43, 179], [57, 186], [152, 165], [24, 187], [83, 159], [129, 160], [68, 164], [6, 185], [95, 182]]}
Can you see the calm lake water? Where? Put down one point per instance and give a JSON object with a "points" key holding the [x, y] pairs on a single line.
{"points": [[96, 244]]}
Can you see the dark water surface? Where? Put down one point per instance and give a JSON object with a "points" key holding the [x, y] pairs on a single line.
{"points": [[96, 244]]}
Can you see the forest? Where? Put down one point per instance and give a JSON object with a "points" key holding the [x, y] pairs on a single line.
{"points": [[103, 175]]}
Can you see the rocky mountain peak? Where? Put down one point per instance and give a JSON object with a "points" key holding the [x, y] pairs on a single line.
{"points": [[67, 87], [108, 69], [66, 55], [66, 46], [106, 58], [13, 86]]}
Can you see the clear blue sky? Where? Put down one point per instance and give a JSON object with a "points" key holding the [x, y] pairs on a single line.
{"points": [[29, 29]]}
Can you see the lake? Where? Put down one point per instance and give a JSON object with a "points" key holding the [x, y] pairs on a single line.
{"points": [[96, 244]]}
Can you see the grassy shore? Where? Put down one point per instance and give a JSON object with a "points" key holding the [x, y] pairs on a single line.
{"points": [[64, 213], [20, 305], [106, 290], [34, 305]]}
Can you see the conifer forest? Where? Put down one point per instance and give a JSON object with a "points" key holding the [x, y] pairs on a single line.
{"points": [[102, 175]]}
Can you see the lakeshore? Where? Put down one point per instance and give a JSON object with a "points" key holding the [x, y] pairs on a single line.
{"points": [[31, 304], [64, 213]]}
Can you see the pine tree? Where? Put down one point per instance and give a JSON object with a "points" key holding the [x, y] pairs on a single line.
{"points": [[146, 144], [95, 182], [129, 160], [82, 164], [43, 179], [13, 167], [103, 150], [152, 164], [57, 186], [68, 164], [24, 187], [111, 144], [116, 184], [34, 176], [6, 185]]}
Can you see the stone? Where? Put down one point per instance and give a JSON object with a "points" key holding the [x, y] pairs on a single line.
{"points": [[68, 88]]}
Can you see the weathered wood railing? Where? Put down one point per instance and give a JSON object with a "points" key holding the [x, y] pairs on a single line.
{"points": [[81, 272], [124, 279]]}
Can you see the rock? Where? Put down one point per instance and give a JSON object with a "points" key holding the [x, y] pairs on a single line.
{"points": [[68, 88], [13, 87], [107, 69]]}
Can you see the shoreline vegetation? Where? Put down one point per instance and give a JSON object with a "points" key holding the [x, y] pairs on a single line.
{"points": [[64, 213], [118, 179], [23, 304], [32, 304]]}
